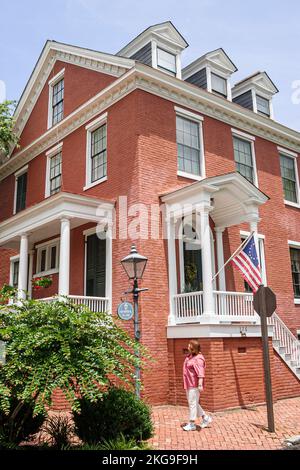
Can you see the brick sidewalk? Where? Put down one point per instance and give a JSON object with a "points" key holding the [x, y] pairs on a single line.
{"points": [[235, 429]]}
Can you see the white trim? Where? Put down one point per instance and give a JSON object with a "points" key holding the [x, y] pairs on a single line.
{"points": [[12, 261], [47, 246], [246, 234], [177, 91], [215, 330], [97, 122], [250, 140], [199, 120], [294, 244], [90, 128], [54, 150], [239, 133], [49, 242], [297, 301], [21, 171], [58, 77], [190, 176], [46, 273], [286, 152], [18, 173], [188, 114], [51, 154], [91, 185], [291, 203]]}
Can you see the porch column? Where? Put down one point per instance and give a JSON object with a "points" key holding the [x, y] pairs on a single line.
{"points": [[108, 273], [170, 222], [208, 296], [23, 267], [64, 258], [30, 273], [220, 256]]}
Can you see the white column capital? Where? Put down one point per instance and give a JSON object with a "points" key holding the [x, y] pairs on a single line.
{"points": [[219, 229]]}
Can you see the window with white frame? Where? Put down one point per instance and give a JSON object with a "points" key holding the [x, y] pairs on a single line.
{"points": [[263, 106], [188, 146], [218, 85], [20, 190], [243, 157], [96, 163], [55, 173], [261, 259], [47, 257], [56, 99], [295, 267], [166, 61], [289, 178], [14, 271]]}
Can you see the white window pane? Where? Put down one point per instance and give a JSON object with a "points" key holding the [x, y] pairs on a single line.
{"points": [[263, 105], [166, 60], [219, 84]]}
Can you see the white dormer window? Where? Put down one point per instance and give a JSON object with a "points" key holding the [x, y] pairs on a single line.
{"points": [[166, 61], [56, 99], [218, 85], [263, 105]]}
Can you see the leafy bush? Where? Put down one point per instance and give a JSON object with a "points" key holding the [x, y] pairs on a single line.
{"points": [[119, 412], [59, 430], [19, 424], [61, 345]]}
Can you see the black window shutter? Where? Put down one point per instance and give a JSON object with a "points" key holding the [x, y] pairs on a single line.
{"points": [[21, 192]]}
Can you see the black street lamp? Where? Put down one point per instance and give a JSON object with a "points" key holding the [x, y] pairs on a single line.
{"points": [[134, 265]]}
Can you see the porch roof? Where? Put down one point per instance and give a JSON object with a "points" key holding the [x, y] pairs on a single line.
{"points": [[232, 198], [42, 221]]}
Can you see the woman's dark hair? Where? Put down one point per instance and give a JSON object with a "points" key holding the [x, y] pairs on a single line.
{"points": [[195, 346]]}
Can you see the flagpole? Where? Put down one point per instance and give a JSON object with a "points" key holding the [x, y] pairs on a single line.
{"points": [[236, 251]]}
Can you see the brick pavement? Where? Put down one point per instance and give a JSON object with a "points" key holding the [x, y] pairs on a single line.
{"points": [[243, 429]]}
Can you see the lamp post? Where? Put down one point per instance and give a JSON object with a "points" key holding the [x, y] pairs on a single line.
{"points": [[134, 265]]}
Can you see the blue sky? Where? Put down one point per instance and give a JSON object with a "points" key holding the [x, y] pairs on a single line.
{"points": [[257, 35]]}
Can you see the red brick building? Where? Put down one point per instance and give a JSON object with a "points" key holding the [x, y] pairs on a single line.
{"points": [[107, 138]]}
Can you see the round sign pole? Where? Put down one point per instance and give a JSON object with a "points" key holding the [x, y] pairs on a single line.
{"points": [[136, 336], [264, 303]]}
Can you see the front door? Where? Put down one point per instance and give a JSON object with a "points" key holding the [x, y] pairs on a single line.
{"points": [[192, 267], [95, 266]]}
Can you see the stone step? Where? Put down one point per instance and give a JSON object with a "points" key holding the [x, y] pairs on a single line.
{"points": [[287, 357], [282, 350]]}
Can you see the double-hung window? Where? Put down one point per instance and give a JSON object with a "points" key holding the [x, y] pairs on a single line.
{"points": [[188, 137], [244, 159], [166, 61], [56, 99], [219, 85], [48, 257], [263, 106], [20, 190], [96, 155], [289, 178], [55, 173], [295, 265]]}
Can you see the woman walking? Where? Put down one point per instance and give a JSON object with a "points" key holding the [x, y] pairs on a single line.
{"points": [[193, 379]]}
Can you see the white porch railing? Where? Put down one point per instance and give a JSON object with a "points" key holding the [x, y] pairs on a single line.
{"points": [[188, 307], [229, 306], [285, 339], [95, 304], [236, 306]]}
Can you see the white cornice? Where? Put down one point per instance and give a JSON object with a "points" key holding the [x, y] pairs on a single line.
{"points": [[179, 92], [97, 61]]}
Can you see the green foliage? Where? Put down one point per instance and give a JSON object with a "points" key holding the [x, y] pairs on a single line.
{"points": [[18, 424], [119, 412], [61, 345], [122, 443], [59, 430], [7, 292], [7, 122]]}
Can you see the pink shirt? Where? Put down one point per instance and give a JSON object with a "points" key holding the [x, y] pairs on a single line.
{"points": [[193, 369]]}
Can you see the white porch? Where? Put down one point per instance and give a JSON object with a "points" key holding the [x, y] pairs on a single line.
{"points": [[56, 217], [228, 200]]}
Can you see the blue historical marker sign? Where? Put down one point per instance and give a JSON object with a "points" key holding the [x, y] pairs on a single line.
{"points": [[125, 311]]}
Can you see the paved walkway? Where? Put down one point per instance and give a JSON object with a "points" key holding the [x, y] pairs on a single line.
{"points": [[235, 429]]}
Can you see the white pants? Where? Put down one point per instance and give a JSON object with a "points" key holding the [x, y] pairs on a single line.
{"points": [[196, 411]]}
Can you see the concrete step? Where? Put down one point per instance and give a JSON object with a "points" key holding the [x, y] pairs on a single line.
{"points": [[276, 343], [287, 357], [281, 349]]}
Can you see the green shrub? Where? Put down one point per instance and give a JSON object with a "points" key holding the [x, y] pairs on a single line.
{"points": [[118, 413], [19, 424]]}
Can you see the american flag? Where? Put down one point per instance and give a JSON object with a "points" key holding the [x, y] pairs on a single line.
{"points": [[247, 262]]}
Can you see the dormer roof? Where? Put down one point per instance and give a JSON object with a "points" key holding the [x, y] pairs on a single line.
{"points": [[260, 81], [163, 32], [217, 58]]}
